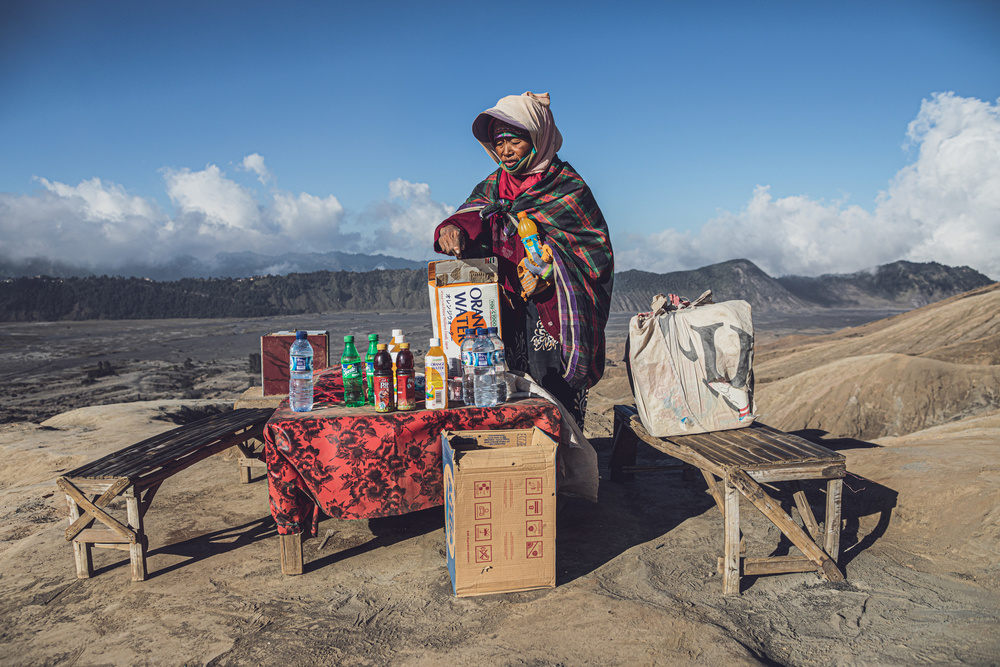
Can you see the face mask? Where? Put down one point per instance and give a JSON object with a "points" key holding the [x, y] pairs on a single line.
{"points": [[522, 164]]}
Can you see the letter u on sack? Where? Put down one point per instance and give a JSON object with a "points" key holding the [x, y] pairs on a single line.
{"points": [[692, 366]]}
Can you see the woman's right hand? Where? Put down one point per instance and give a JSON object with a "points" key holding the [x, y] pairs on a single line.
{"points": [[452, 240]]}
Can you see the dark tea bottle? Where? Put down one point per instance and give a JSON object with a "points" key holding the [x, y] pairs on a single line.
{"points": [[406, 384], [382, 380]]}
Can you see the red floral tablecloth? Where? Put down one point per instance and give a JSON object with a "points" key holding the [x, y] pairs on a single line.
{"points": [[355, 463]]}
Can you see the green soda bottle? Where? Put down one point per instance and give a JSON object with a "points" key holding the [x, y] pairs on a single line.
{"points": [[370, 368], [351, 373]]}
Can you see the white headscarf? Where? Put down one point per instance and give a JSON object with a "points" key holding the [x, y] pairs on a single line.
{"points": [[529, 112]]}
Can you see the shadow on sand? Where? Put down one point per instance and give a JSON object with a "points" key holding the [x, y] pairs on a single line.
{"points": [[589, 534]]}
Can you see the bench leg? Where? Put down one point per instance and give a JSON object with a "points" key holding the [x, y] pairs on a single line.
{"points": [[805, 511], [244, 470], [731, 559], [831, 543], [83, 552], [137, 550], [291, 553], [773, 511]]}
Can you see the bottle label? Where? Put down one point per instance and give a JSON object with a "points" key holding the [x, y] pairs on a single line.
{"points": [[383, 393], [300, 364], [406, 392], [351, 371], [498, 358], [436, 373], [478, 359]]}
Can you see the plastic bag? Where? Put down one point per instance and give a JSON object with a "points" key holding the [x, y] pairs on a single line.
{"points": [[691, 365]]}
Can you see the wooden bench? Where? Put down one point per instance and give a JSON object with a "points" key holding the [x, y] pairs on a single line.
{"points": [[738, 462], [135, 473], [250, 454]]}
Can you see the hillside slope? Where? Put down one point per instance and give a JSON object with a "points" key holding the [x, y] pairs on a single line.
{"points": [[895, 376], [961, 329]]}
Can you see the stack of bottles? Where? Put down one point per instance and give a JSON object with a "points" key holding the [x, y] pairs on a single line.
{"points": [[479, 371], [386, 378]]}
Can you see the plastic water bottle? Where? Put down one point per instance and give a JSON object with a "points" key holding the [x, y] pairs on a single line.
{"points": [[484, 375], [468, 387], [499, 364], [300, 374]]}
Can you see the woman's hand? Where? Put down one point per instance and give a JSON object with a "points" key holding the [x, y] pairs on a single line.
{"points": [[452, 240]]}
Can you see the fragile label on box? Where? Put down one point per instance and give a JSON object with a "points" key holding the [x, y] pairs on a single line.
{"points": [[500, 509]]}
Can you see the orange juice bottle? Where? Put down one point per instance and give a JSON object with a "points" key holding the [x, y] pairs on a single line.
{"points": [[436, 376], [528, 232]]}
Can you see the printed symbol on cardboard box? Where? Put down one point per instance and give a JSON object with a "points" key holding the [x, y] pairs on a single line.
{"points": [[482, 489], [533, 528], [483, 511], [534, 549], [533, 486], [533, 507], [484, 531], [484, 553]]}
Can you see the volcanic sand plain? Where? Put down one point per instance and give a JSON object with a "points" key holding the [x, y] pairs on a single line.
{"points": [[911, 400]]}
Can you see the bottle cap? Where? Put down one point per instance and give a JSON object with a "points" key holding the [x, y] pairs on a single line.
{"points": [[348, 339], [300, 334], [435, 342], [382, 346], [481, 331], [397, 332], [491, 330], [373, 337], [405, 346]]}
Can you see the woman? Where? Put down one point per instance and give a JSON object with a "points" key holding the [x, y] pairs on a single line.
{"points": [[553, 329]]}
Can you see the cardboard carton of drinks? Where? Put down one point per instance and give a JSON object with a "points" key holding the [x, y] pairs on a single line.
{"points": [[464, 294]]}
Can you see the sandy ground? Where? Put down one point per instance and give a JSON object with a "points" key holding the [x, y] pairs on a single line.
{"points": [[637, 581]]}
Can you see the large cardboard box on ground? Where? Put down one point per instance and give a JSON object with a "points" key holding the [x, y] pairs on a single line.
{"points": [[500, 510], [464, 293], [274, 358]]}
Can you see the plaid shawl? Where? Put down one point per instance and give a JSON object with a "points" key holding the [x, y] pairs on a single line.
{"points": [[569, 219]]}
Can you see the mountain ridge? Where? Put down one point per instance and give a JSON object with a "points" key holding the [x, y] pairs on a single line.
{"points": [[223, 265], [899, 285]]}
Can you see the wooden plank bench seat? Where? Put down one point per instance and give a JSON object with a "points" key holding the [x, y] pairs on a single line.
{"points": [[737, 462], [135, 473]]}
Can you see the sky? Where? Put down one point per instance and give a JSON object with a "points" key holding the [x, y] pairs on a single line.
{"points": [[808, 137]]}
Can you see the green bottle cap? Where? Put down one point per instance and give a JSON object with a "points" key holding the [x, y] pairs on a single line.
{"points": [[348, 339], [373, 337]]}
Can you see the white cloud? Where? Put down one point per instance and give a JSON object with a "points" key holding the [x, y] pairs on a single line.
{"points": [[405, 222], [73, 223], [98, 224], [255, 163], [217, 200], [943, 207]]}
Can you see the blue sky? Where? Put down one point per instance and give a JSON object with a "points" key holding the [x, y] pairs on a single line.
{"points": [[808, 137]]}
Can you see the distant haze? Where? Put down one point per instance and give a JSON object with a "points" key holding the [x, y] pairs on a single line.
{"points": [[944, 206]]}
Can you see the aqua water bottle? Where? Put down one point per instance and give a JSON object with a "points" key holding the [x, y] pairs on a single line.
{"points": [[300, 374]]}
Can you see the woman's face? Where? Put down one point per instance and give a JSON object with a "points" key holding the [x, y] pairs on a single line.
{"points": [[511, 150]]}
